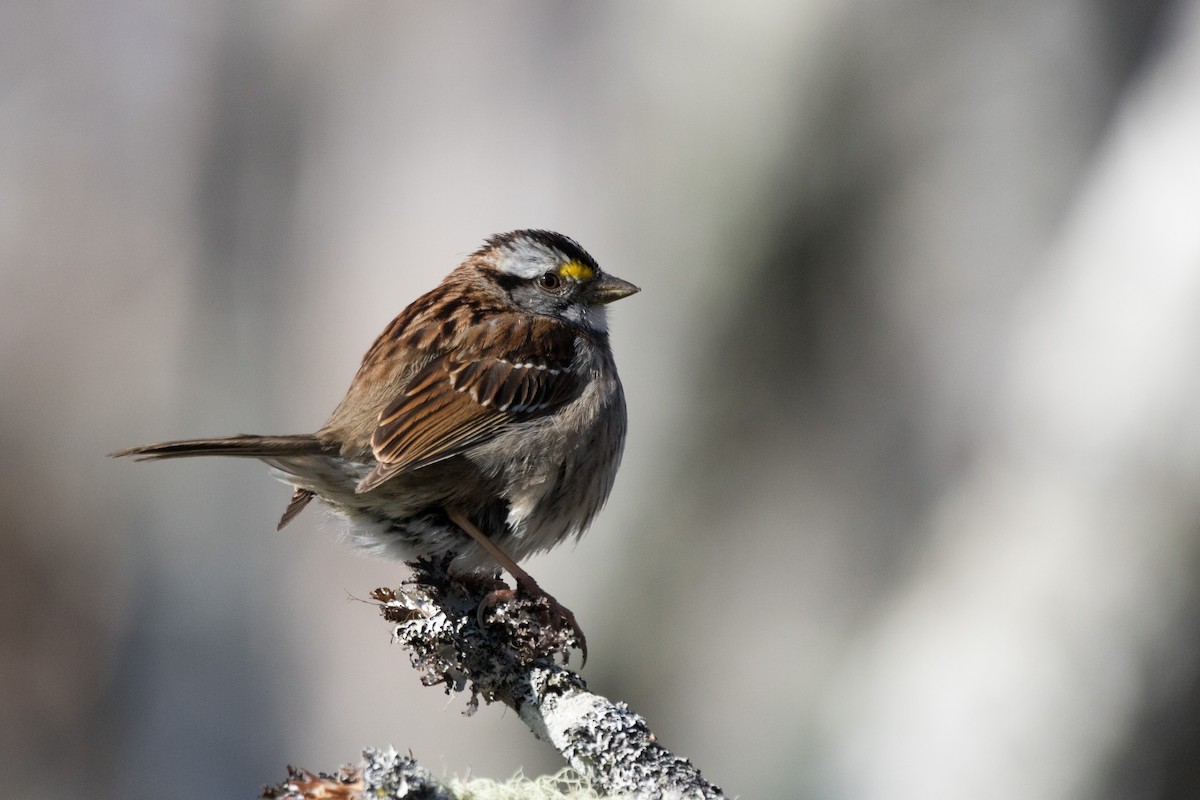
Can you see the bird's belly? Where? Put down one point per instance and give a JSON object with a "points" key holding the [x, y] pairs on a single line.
{"points": [[557, 472], [404, 518], [529, 488]]}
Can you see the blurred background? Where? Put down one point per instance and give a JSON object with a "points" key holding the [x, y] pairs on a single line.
{"points": [[910, 503]]}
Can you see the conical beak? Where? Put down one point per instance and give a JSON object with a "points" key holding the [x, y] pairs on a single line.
{"points": [[610, 288]]}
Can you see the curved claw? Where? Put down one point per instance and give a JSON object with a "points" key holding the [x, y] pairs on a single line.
{"points": [[558, 616]]}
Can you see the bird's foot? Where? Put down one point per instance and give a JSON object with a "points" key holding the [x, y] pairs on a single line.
{"points": [[557, 617], [553, 614]]}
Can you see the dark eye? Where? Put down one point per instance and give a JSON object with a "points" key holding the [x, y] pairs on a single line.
{"points": [[550, 281]]}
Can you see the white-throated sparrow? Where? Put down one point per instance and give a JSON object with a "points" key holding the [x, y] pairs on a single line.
{"points": [[486, 421]]}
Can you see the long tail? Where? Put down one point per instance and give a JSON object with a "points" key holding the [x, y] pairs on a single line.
{"points": [[243, 445]]}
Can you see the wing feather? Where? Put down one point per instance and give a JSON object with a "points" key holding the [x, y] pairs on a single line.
{"points": [[463, 399]]}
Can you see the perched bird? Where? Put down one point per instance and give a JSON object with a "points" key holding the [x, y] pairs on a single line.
{"points": [[487, 421]]}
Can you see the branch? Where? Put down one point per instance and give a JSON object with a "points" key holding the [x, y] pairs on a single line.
{"points": [[510, 659]]}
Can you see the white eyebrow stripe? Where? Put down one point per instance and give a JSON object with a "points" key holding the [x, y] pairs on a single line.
{"points": [[527, 258]]}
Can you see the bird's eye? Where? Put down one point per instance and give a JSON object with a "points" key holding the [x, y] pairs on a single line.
{"points": [[550, 281]]}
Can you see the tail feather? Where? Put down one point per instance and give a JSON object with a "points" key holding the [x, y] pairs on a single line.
{"points": [[243, 445], [300, 500]]}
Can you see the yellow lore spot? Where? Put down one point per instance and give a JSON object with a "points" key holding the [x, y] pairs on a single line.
{"points": [[576, 271]]}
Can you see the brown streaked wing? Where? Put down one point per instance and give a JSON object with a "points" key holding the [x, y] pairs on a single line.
{"points": [[463, 399]]}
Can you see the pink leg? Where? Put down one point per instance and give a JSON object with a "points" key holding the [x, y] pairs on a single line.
{"points": [[559, 613]]}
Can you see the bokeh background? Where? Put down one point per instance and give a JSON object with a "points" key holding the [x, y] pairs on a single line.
{"points": [[911, 501]]}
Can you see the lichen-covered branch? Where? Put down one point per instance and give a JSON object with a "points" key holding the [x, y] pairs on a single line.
{"points": [[509, 658], [382, 774]]}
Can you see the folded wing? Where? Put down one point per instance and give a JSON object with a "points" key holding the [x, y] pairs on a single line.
{"points": [[463, 399]]}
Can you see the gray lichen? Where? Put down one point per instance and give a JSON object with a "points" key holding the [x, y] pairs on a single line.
{"points": [[510, 658]]}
